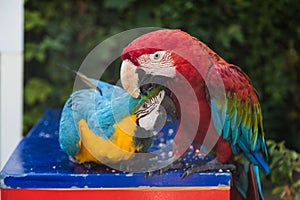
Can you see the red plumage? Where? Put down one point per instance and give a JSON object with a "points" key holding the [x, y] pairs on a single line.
{"points": [[202, 68], [194, 64]]}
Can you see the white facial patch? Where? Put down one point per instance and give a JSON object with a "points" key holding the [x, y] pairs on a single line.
{"points": [[159, 63], [148, 113]]}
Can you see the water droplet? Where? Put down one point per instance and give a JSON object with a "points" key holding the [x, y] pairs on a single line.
{"points": [[170, 132], [129, 175], [163, 155], [161, 145], [44, 135]]}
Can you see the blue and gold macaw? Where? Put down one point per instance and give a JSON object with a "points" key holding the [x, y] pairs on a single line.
{"points": [[100, 124]]}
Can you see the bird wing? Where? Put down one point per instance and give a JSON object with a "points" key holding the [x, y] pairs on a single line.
{"points": [[100, 111], [239, 119]]}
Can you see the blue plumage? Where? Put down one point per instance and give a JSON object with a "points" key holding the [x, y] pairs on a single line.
{"points": [[256, 172], [226, 128], [235, 135], [99, 111], [264, 166], [242, 127], [216, 116]]}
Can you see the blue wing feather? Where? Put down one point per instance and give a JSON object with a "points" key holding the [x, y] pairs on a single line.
{"points": [[256, 172], [99, 111], [235, 135], [216, 117], [68, 137], [241, 128], [262, 163], [226, 128]]}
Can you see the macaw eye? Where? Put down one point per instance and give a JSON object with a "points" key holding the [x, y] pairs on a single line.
{"points": [[157, 56], [144, 105]]}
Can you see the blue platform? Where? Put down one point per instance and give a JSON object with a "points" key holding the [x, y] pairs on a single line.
{"points": [[38, 162]]}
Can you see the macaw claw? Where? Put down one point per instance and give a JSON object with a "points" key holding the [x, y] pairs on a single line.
{"points": [[211, 165], [176, 165]]}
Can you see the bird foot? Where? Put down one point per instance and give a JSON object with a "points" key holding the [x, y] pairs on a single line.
{"points": [[176, 165], [211, 165]]}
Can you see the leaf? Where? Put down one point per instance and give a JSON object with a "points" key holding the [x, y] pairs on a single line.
{"points": [[34, 51], [235, 32], [33, 20], [277, 190], [296, 184], [37, 90], [117, 4]]}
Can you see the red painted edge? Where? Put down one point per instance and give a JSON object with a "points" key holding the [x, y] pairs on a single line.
{"points": [[96, 194]]}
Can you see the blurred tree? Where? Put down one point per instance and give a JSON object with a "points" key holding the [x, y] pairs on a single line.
{"points": [[262, 37]]}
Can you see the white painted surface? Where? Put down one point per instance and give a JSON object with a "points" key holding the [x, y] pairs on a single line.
{"points": [[11, 76], [11, 25]]}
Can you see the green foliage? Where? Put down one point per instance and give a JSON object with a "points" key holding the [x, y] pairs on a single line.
{"points": [[117, 4], [262, 37], [37, 90], [285, 168]]}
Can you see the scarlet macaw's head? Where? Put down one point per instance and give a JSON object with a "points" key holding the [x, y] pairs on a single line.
{"points": [[159, 57]]}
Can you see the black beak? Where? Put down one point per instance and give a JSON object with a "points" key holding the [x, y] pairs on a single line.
{"points": [[170, 107], [148, 81]]}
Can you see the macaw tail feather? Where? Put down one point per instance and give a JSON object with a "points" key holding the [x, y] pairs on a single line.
{"points": [[247, 184], [255, 157], [254, 185], [83, 77], [235, 194], [257, 181], [262, 163], [240, 180]]}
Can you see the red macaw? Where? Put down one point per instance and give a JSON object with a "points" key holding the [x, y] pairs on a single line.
{"points": [[205, 87]]}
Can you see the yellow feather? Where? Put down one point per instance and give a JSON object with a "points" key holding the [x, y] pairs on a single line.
{"points": [[84, 155], [119, 147], [123, 136]]}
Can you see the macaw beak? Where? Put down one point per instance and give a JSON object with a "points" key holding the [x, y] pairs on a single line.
{"points": [[130, 78], [137, 80]]}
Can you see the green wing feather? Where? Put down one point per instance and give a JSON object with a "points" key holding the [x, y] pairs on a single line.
{"points": [[239, 119]]}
